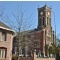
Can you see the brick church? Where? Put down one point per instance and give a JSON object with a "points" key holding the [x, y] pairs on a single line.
{"points": [[43, 34]]}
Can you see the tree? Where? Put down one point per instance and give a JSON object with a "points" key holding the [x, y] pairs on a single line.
{"points": [[2, 12], [50, 49], [58, 40], [20, 28], [53, 49], [21, 33], [46, 49]]}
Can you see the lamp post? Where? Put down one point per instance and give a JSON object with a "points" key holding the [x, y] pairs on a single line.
{"points": [[55, 26], [55, 31]]}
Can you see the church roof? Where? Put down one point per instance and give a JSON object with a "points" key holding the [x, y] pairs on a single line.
{"points": [[44, 7], [32, 31]]}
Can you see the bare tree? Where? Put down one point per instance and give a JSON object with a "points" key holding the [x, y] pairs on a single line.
{"points": [[2, 12], [20, 28]]}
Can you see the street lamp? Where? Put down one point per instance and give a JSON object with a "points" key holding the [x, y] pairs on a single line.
{"points": [[55, 26]]}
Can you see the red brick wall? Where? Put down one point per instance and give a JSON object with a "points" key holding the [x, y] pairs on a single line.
{"points": [[39, 37], [25, 58], [8, 45], [45, 59]]}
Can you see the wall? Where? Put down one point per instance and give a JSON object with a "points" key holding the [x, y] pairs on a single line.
{"points": [[25, 58], [35, 58], [45, 59], [7, 44]]}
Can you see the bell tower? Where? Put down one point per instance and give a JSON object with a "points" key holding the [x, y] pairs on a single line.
{"points": [[44, 17]]}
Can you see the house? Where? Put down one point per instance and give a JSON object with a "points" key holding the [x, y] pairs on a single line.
{"points": [[41, 36], [6, 40]]}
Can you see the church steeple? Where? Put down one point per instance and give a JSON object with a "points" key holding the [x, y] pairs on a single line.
{"points": [[44, 16]]}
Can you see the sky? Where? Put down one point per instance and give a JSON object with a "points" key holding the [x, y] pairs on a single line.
{"points": [[31, 12]]}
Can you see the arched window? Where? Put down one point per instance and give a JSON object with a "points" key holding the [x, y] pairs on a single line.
{"points": [[47, 21], [39, 22], [43, 20]]}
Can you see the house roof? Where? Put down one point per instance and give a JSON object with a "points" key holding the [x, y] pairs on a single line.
{"points": [[5, 27]]}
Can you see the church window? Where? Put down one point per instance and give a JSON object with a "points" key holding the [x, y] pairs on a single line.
{"points": [[39, 21], [43, 20], [47, 20]]}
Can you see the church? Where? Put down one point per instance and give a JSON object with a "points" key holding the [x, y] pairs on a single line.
{"points": [[41, 36]]}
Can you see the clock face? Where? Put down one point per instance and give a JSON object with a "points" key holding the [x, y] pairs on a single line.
{"points": [[48, 13], [41, 13]]}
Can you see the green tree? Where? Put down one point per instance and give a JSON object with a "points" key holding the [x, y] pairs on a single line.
{"points": [[50, 49]]}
